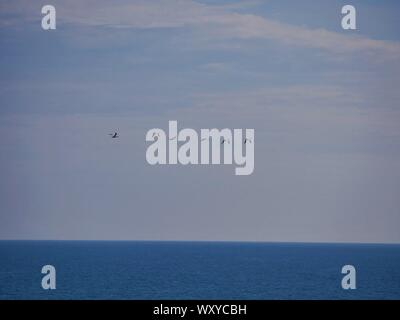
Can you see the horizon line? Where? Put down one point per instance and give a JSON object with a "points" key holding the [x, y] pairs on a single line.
{"points": [[206, 241]]}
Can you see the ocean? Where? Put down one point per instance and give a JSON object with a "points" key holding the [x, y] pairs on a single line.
{"points": [[197, 270]]}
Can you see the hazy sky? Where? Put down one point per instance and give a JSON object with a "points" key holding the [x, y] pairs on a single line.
{"points": [[324, 103]]}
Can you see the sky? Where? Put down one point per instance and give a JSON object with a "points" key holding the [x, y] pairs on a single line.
{"points": [[324, 103]]}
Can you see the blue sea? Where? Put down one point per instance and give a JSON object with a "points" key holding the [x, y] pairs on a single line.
{"points": [[197, 270]]}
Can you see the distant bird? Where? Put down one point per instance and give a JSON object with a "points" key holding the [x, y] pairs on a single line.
{"points": [[245, 140], [114, 135]]}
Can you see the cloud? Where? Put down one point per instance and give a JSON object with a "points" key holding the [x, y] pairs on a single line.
{"points": [[248, 26], [217, 21], [216, 67], [309, 110]]}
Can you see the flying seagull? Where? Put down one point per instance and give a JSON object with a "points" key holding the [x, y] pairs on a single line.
{"points": [[114, 135]]}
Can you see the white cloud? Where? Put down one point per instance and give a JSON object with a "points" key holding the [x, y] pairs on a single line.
{"points": [[217, 21]]}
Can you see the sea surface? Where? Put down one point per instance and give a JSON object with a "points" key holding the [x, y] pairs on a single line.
{"points": [[197, 270]]}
